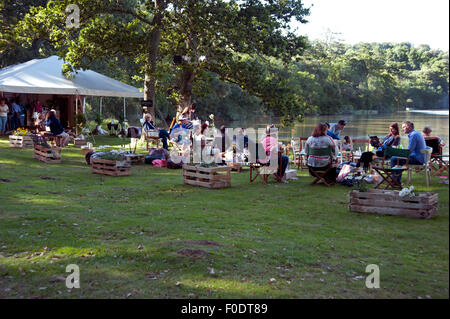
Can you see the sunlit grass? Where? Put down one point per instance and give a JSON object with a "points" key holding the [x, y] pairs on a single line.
{"points": [[151, 236]]}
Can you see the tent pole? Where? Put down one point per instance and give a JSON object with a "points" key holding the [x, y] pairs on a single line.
{"points": [[101, 100], [124, 110], [84, 104]]}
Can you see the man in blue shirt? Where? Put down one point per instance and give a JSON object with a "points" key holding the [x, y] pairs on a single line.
{"points": [[337, 128], [180, 130], [415, 146], [331, 134], [15, 110]]}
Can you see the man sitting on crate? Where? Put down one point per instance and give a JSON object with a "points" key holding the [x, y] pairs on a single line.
{"points": [[415, 146], [56, 128], [149, 126]]}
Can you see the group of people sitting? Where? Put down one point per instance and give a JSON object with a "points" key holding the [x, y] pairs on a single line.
{"points": [[324, 137]]}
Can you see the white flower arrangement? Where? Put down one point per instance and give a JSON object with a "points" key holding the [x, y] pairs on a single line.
{"points": [[407, 192]]}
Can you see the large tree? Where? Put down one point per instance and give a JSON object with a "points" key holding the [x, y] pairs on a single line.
{"points": [[11, 50], [214, 35]]}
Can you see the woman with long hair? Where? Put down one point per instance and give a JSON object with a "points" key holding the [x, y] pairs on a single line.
{"points": [[393, 138], [320, 140]]}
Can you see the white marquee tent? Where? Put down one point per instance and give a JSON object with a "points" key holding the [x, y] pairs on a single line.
{"points": [[44, 76]]}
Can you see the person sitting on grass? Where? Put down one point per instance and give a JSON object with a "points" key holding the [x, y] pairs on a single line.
{"points": [[416, 145], [56, 128], [320, 140], [148, 125]]}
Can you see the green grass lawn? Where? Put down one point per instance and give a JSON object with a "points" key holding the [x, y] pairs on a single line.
{"points": [[150, 236]]}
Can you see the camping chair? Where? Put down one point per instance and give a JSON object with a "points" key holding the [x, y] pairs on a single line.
{"points": [[388, 173], [261, 167], [152, 138], [426, 166], [321, 175], [437, 163], [298, 152]]}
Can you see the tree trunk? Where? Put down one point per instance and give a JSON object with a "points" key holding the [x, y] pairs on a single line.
{"points": [[152, 58], [187, 78]]}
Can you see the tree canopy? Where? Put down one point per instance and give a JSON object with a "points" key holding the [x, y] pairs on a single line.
{"points": [[208, 35]]}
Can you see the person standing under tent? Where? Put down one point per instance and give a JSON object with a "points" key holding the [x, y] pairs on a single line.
{"points": [[3, 115]]}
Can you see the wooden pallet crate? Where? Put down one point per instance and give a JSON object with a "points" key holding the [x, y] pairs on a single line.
{"points": [[79, 143], [109, 167], [21, 141], [209, 177], [48, 155], [389, 202]]}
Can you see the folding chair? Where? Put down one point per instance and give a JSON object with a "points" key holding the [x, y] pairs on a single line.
{"points": [[151, 137], [437, 163], [426, 166], [261, 168], [388, 174], [320, 175]]}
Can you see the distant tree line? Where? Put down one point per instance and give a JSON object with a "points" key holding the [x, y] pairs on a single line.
{"points": [[289, 78]]}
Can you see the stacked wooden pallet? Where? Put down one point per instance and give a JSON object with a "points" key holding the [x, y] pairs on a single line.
{"points": [[209, 177], [388, 202], [109, 167], [21, 141], [48, 155]]}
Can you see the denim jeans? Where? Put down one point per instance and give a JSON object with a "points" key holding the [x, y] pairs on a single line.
{"points": [[394, 159], [164, 135], [284, 164], [3, 120]]}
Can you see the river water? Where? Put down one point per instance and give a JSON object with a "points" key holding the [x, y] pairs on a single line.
{"points": [[361, 127]]}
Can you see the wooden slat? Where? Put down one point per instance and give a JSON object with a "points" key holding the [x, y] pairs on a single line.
{"points": [[206, 169], [377, 194], [217, 184], [393, 211], [210, 177], [389, 203], [20, 141], [109, 167]]}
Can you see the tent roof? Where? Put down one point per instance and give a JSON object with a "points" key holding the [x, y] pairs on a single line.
{"points": [[44, 76]]}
